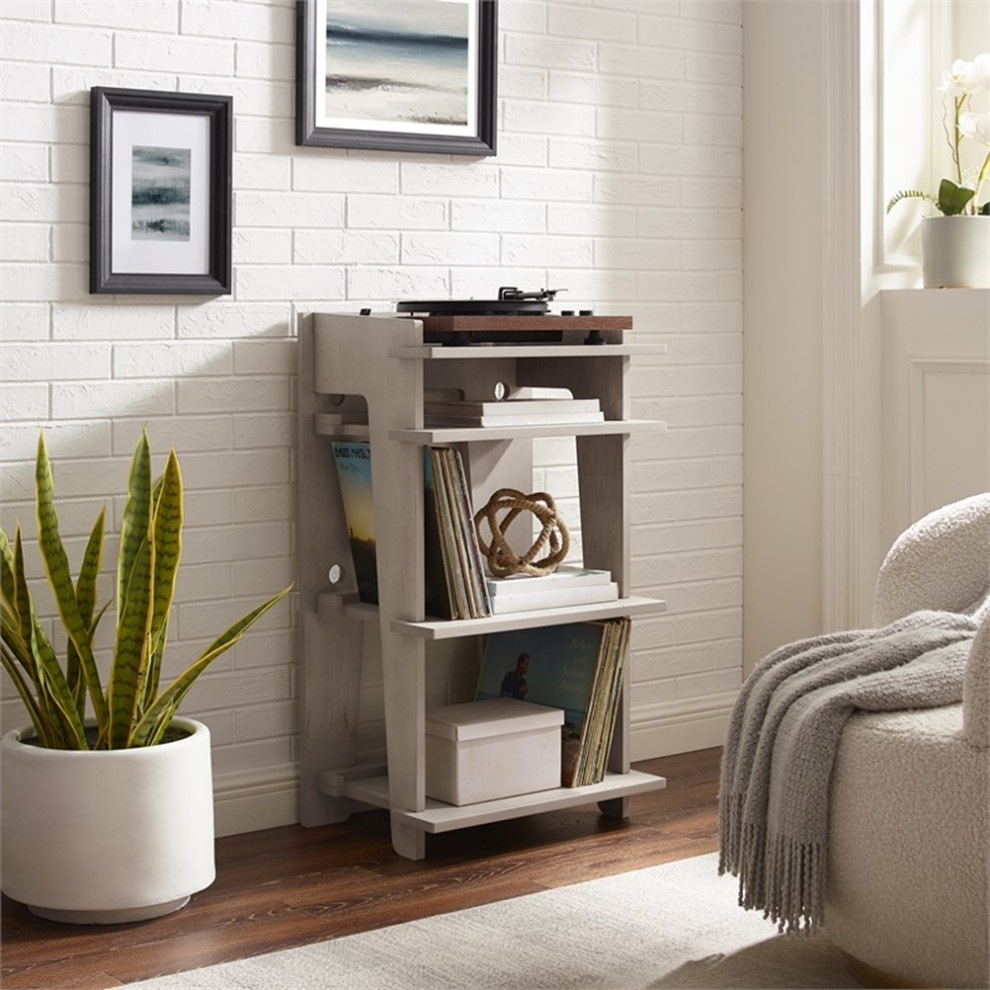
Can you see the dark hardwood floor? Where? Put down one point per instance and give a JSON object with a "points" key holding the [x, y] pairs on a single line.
{"points": [[289, 886]]}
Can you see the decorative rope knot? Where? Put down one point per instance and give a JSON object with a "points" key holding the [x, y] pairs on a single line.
{"points": [[502, 560]]}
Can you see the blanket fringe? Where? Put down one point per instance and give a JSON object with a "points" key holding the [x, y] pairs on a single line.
{"points": [[778, 875], [795, 877]]}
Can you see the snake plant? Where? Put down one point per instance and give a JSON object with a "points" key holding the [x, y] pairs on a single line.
{"points": [[131, 711]]}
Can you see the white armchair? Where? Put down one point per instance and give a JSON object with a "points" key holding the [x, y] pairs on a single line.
{"points": [[908, 828]]}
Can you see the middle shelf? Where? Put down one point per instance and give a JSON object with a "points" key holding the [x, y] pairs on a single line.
{"points": [[440, 435], [439, 629]]}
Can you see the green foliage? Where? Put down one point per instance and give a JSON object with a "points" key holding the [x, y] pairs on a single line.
{"points": [[952, 198], [908, 194], [130, 711]]}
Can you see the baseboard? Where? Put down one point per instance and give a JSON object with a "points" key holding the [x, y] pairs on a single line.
{"points": [[251, 800], [680, 726]]}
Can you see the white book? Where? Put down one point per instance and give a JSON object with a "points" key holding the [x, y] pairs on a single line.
{"points": [[521, 419], [566, 576], [508, 407], [533, 601]]}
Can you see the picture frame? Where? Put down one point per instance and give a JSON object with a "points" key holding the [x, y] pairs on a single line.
{"points": [[160, 192], [397, 75]]}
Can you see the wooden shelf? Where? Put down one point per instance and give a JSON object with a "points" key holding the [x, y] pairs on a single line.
{"points": [[479, 434], [381, 365], [440, 817], [485, 352], [439, 629], [453, 629]]}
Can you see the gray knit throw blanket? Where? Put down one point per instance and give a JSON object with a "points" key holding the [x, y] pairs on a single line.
{"points": [[782, 738]]}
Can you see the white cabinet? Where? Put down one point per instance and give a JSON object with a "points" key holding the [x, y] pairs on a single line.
{"points": [[380, 365], [936, 401]]}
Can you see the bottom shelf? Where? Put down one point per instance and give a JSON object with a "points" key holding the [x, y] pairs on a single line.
{"points": [[441, 817]]}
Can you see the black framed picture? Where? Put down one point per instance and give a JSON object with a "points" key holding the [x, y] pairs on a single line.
{"points": [[160, 192], [397, 75]]}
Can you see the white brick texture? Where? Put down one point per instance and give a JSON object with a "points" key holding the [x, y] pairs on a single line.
{"points": [[618, 176]]}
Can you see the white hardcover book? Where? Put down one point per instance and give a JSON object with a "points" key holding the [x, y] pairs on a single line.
{"points": [[535, 600], [508, 407], [521, 419], [566, 576]]}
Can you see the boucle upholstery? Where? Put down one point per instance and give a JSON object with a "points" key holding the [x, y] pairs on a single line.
{"points": [[940, 562], [909, 837], [907, 881], [976, 690]]}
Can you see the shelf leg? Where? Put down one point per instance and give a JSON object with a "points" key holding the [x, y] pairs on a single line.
{"points": [[331, 676], [614, 807], [407, 840]]}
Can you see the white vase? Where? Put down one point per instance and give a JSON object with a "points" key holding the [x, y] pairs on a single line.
{"points": [[110, 836], [956, 252]]}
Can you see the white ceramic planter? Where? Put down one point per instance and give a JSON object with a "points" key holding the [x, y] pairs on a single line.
{"points": [[956, 252], [107, 837]]}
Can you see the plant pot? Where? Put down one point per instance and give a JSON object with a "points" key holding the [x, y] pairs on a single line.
{"points": [[110, 836], [956, 252]]}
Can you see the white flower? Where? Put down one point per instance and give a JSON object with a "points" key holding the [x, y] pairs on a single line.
{"points": [[982, 68], [975, 126], [966, 77]]}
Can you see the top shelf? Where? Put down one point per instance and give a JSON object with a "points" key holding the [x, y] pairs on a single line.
{"points": [[448, 352]]}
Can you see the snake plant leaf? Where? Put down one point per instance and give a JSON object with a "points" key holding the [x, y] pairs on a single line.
{"points": [[60, 579], [176, 691], [137, 515], [15, 631], [162, 723], [63, 723], [38, 719], [55, 696], [29, 659], [952, 198], [86, 600], [6, 565], [90, 569], [20, 598], [168, 548], [130, 655], [25, 643]]}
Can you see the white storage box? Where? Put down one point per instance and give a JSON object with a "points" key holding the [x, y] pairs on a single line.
{"points": [[485, 750]]}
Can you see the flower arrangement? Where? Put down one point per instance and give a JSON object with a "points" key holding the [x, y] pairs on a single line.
{"points": [[960, 84]]}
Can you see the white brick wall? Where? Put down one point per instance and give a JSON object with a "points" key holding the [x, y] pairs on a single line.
{"points": [[618, 176]]}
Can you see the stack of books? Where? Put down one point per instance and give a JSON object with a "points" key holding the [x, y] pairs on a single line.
{"points": [[455, 577], [577, 667], [568, 585], [511, 412]]}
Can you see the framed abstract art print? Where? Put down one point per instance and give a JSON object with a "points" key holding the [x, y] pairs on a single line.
{"points": [[160, 194], [397, 75]]}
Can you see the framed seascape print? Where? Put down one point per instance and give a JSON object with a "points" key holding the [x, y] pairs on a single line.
{"points": [[397, 75], [160, 195]]}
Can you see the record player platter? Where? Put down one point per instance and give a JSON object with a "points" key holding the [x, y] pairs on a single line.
{"points": [[472, 307], [511, 302]]}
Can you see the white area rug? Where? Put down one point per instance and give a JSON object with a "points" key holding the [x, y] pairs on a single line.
{"points": [[675, 925]]}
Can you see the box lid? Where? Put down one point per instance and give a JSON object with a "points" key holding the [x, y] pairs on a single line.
{"points": [[494, 717]]}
